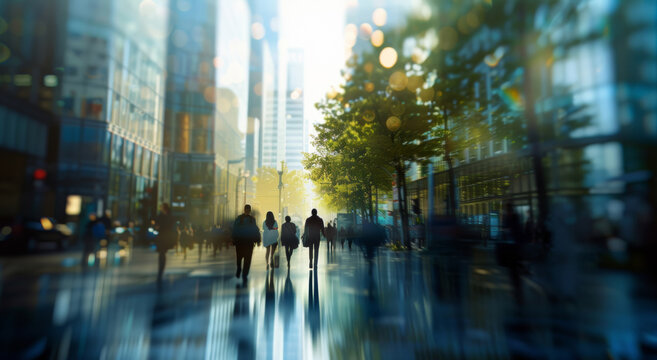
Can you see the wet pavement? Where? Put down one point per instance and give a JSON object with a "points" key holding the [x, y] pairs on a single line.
{"points": [[403, 305]]}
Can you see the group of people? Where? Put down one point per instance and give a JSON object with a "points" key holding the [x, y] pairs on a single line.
{"points": [[246, 235]]}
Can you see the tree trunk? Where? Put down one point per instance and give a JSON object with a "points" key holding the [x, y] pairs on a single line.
{"points": [[403, 211]]}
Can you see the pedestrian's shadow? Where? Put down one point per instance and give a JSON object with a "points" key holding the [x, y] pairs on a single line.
{"points": [[313, 304], [242, 328], [287, 301]]}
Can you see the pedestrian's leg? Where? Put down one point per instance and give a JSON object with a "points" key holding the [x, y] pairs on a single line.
{"points": [[268, 248], [162, 261], [273, 250], [310, 253], [248, 253], [238, 256], [316, 252]]}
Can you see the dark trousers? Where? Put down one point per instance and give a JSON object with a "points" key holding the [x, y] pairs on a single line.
{"points": [[288, 253], [244, 251], [161, 263], [314, 244]]}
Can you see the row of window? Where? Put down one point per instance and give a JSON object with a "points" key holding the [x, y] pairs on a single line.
{"points": [[21, 133]]}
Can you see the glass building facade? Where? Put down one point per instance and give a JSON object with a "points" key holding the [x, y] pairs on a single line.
{"points": [[597, 128], [98, 66], [191, 96]]}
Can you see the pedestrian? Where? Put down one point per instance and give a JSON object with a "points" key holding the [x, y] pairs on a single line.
{"points": [[106, 219], [313, 229], [289, 238], [331, 234], [94, 231], [245, 235], [343, 236], [270, 238], [166, 237]]}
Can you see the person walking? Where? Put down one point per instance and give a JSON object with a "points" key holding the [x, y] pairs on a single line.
{"points": [[331, 233], [313, 229], [94, 231], [166, 238], [289, 238], [270, 238], [245, 235]]}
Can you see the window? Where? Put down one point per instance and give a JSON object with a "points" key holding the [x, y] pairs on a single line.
{"points": [[69, 146]]}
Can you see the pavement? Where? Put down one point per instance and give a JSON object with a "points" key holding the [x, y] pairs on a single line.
{"points": [[450, 303]]}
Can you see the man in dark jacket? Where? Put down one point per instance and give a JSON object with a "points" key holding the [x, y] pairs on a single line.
{"points": [[313, 229], [245, 235]]}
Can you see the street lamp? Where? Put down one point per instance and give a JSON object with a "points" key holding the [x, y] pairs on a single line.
{"points": [[280, 188], [229, 162], [246, 177]]}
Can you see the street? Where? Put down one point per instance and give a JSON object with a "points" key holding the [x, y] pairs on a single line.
{"points": [[412, 305]]}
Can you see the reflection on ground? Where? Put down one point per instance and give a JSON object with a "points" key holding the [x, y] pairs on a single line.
{"points": [[405, 305]]}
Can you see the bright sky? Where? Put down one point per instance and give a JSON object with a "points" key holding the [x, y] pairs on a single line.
{"points": [[317, 27]]}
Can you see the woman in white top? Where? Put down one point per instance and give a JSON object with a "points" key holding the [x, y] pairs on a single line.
{"points": [[270, 238]]}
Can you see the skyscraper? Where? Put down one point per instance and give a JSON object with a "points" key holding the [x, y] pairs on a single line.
{"points": [[266, 89], [295, 127], [190, 111], [98, 67]]}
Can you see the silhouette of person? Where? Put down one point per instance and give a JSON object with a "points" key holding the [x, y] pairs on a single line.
{"points": [[242, 326], [313, 304], [90, 239], [343, 236], [313, 229], [270, 238], [245, 235], [289, 238], [166, 239]]}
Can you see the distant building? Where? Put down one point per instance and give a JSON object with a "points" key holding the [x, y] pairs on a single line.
{"points": [[266, 87], [191, 97], [295, 126]]}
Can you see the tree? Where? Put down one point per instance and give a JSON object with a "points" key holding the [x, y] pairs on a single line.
{"points": [[375, 126], [293, 195]]}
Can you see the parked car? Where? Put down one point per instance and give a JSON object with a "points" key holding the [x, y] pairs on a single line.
{"points": [[34, 234]]}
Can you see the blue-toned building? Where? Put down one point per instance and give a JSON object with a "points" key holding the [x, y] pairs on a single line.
{"points": [[98, 68]]}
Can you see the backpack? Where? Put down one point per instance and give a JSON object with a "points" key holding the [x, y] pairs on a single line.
{"points": [[98, 230], [245, 230]]}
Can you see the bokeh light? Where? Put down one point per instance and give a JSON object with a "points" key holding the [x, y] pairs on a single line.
{"points": [[377, 38], [257, 89], [257, 31], [369, 87], [388, 57], [393, 123], [217, 62], [494, 58], [368, 67], [398, 81], [512, 97], [380, 17], [295, 94], [350, 35], [369, 115], [415, 82], [365, 31], [209, 94]]}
